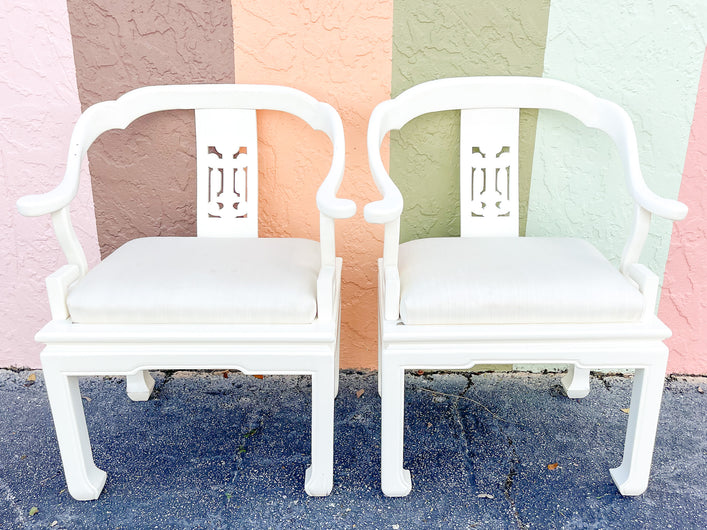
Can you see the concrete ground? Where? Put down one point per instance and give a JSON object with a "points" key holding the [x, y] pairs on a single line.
{"points": [[212, 452]]}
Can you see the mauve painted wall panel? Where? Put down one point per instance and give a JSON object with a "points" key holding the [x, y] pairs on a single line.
{"points": [[144, 177]]}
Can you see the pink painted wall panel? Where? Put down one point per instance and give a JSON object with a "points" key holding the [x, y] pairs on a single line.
{"points": [[683, 304], [339, 53], [40, 105]]}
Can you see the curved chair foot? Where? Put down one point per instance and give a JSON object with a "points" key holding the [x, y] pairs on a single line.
{"points": [[140, 385], [397, 486], [576, 382], [318, 486], [626, 485], [90, 487]]}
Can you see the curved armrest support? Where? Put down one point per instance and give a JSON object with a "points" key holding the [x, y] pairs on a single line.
{"points": [[648, 285], [616, 122], [327, 202], [391, 206]]}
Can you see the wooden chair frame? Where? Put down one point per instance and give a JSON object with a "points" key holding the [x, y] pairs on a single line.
{"points": [[583, 346], [81, 349]]}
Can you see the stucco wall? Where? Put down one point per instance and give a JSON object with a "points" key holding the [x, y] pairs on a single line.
{"points": [[451, 39], [39, 107], [144, 177], [684, 302], [647, 56], [339, 53]]}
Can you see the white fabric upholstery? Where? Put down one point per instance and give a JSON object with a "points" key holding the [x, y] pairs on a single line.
{"points": [[201, 280], [512, 280]]}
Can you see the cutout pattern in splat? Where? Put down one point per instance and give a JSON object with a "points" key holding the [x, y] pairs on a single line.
{"points": [[490, 182], [488, 176], [228, 184], [226, 173]]}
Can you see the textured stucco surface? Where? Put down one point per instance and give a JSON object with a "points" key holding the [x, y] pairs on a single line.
{"points": [[144, 177], [684, 303], [339, 53], [432, 40], [647, 57], [39, 107]]}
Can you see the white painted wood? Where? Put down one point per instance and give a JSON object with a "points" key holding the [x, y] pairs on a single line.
{"points": [[226, 173], [576, 382], [582, 346], [489, 172], [223, 112], [140, 385], [57, 289]]}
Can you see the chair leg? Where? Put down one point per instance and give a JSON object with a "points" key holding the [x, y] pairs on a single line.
{"points": [[380, 356], [336, 363], [631, 477], [140, 385], [319, 478], [395, 481], [576, 382], [84, 480]]}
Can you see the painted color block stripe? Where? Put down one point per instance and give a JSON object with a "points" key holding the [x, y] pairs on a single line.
{"points": [[645, 56], [432, 40], [684, 302], [40, 104], [144, 178], [339, 53]]}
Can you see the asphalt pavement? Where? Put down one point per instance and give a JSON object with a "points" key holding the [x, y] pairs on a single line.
{"points": [[486, 450]]}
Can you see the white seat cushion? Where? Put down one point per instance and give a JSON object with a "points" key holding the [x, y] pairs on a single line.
{"points": [[512, 280], [201, 280]]}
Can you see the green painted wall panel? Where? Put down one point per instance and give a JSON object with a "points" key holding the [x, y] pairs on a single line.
{"points": [[647, 57], [437, 39]]}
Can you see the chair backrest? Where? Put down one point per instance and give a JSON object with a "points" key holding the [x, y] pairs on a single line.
{"points": [[226, 173], [490, 111], [226, 161]]}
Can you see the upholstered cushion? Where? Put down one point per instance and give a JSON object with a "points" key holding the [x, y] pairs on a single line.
{"points": [[201, 280], [511, 280]]}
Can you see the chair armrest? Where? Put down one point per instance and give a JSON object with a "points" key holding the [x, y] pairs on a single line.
{"points": [[386, 210], [647, 199], [46, 203], [332, 206]]}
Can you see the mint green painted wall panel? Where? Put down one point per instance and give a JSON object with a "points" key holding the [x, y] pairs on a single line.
{"points": [[645, 56], [438, 39]]}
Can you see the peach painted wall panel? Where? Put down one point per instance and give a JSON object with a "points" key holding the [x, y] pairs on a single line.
{"points": [[339, 53], [40, 105], [684, 302]]}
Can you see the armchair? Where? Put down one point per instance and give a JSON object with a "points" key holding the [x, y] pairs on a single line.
{"points": [[490, 296], [224, 299]]}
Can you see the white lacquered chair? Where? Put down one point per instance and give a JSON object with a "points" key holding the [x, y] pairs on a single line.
{"points": [[490, 296], [224, 299]]}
